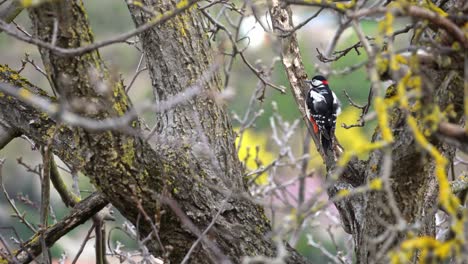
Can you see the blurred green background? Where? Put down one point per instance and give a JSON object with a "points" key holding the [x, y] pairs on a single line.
{"points": [[109, 18]]}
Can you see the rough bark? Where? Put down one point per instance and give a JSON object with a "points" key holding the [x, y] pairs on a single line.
{"points": [[179, 55], [78, 215], [188, 171], [412, 179], [137, 177]]}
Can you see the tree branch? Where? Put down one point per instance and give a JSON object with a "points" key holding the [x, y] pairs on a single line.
{"points": [[83, 211], [290, 55], [454, 133], [69, 198], [9, 13], [458, 186], [12, 31], [421, 13], [7, 134], [45, 199]]}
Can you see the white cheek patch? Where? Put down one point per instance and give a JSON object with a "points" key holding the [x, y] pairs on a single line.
{"points": [[317, 97], [316, 83]]}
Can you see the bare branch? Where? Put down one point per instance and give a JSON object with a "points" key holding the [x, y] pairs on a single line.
{"points": [[9, 13], [364, 110], [69, 198], [54, 109], [455, 133], [258, 73], [83, 211], [11, 30], [341, 53], [221, 258], [7, 134], [421, 13], [45, 199], [299, 26], [80, 250], [100, 238], [21, 216]]}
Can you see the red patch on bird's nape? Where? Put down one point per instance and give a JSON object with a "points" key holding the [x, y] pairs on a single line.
{"points": [[325, 82]]}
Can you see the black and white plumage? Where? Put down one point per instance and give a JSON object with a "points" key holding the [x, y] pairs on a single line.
{"points": [[322, 107]]}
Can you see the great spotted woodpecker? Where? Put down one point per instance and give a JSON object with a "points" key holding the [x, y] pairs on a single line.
{"points": [[322, 107]]}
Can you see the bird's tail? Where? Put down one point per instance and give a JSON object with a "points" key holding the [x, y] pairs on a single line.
{"points": [[326, 139], [326, 144]]}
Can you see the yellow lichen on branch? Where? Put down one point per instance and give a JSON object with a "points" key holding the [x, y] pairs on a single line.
{"points": [[446, 198], [406, 96], [428, 246], [376, 184], [382, 116], [329, 3], [373, 185]]}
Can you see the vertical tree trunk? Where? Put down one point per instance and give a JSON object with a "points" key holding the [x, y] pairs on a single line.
{"points": [[181, 59]]}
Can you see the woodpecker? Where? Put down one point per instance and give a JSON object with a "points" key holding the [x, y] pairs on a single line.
{"points": [[322, 107]]}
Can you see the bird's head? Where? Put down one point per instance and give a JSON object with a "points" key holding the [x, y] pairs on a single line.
{"points": [[318, 81]]}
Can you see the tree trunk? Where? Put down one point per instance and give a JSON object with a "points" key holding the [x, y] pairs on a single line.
{"points": [[185, 176], [187, 172], [377, 228]]}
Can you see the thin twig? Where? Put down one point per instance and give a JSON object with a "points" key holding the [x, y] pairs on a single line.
{"points": [[45, 199], [80, 250], [10, 256], [220, 257], [10, 30], [194, 245], [20, 216], [300, 25], [241, 54], [364, 110], [137, 72]]}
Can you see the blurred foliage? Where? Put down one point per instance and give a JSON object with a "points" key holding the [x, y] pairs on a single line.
{"points": [[355, 137], [253, 151]]}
